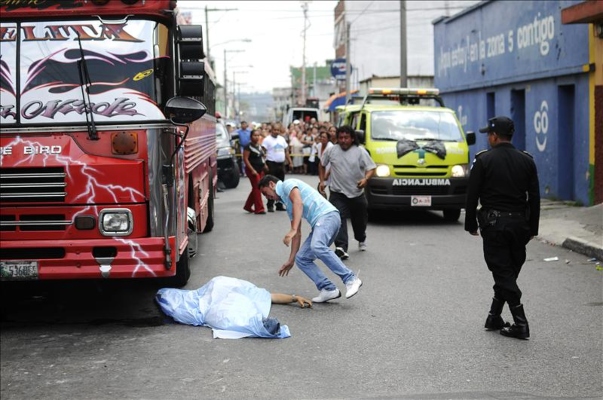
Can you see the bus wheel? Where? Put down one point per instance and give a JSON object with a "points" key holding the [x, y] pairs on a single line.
{"points": [[183, 272], [209, 225], [193, 242], [452, 215]]}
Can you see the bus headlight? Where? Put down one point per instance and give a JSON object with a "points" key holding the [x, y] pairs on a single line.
{"points": [[115, 222], [382, 171], [459, 171]]}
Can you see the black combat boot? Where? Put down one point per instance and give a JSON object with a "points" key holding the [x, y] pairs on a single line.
{"points": [[494, 321], [520, 329]]}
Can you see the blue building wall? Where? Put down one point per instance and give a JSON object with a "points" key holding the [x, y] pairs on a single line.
{"points": [[515, 58]]}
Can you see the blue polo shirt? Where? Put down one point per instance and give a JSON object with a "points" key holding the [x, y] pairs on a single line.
{"points": [[244, 137], [315, 206]]}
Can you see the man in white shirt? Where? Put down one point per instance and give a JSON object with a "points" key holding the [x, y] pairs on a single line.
{"points": [[276, 157]]}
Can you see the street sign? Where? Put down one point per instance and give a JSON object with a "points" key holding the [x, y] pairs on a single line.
{"points": [[338, 68]]}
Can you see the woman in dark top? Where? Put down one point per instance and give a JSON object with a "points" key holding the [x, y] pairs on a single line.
{"points": [[254, 157]]}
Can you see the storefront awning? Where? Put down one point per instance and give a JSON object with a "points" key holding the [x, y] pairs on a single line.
{"points": [[583, 13], [336, 100]]}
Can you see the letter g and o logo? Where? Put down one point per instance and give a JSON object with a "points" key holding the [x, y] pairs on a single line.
{"points": [[541, 125]]}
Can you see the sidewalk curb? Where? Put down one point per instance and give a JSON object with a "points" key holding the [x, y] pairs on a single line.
{"points": [[583, 247]]}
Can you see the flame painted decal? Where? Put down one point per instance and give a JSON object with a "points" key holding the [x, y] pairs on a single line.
{"points": [[135, 252], [96, 186]]}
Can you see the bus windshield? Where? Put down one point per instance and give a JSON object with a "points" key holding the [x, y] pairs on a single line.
{"points": [[46, 65], [414, 125]]}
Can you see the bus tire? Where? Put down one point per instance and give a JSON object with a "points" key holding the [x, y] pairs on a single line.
{"points": [[452, 215], [183, 272], [209, 224]]}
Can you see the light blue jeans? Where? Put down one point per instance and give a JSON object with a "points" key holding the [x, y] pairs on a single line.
{"points": [[316, 246]]}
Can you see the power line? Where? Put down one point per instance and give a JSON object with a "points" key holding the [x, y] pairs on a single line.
{"points": [[329, 14], [369, 4]]}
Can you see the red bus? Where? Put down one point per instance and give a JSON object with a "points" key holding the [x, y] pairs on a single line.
{"points": [[107, 140]]}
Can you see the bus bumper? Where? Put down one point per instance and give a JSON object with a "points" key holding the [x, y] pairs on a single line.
{"points": [[86, 259]]}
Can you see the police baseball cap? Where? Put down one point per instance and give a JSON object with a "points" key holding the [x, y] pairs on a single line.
{"points": [[500, 125]]}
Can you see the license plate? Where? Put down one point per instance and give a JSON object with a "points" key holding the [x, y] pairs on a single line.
{"points": [[18, 270], [420, 201]]}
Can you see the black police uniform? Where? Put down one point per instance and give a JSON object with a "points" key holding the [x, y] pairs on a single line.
{"points": [[505, 182]]}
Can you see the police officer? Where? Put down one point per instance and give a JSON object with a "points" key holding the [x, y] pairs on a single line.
{"points": [[505, 182]]}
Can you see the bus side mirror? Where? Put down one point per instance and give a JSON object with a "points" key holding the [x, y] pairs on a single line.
{"points": [[184, 110], [360, 136], [470, 137]]}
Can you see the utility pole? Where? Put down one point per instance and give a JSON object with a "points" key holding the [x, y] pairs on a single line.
{"points": [[237, 98], [225, 88], [403, 51], [348, 61], [226, 80], [303, 77], [314, 82], [207, 10]]}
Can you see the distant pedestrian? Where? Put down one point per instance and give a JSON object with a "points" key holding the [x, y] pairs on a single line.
{"points": [[296, 152], [333, 134], [322, 144], [303, 201], [307, 141], [253, 156], [351, 168], [244, 134], [505, 182], [277, 157]]}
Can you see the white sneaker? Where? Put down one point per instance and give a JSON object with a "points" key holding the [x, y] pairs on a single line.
{"points": [[352, 287], [362, 246], [326, 295]]}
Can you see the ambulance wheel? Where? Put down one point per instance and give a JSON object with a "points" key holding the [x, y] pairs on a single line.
{"points": [[452, 215], [374, 215]]}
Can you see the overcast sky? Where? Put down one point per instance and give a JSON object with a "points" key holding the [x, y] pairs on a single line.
{"points": [[275, 28]]}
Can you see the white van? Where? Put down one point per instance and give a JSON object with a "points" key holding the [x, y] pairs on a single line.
{"points": [[300, 113]]}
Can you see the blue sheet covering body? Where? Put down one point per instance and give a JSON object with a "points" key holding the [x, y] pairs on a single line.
{"points": [[233, 308]]}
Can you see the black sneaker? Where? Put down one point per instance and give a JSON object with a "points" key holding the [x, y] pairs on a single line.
{"points": [[341, 253], [280, 207], [270, 209]]}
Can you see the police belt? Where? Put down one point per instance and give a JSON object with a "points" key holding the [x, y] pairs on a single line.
{"points": [[504, 213]]}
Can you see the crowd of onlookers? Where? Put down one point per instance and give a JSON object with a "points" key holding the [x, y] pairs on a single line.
{"points": [[305, 141]]}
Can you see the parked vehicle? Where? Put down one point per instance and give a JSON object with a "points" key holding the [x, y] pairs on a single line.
{"points": [[300, 113], [107, 141], [228, 168]]}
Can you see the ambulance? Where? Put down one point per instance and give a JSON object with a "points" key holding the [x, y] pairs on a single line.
{"points": [[421, 151]]}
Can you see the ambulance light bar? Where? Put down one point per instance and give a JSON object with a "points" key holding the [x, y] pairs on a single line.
{"points": [[405, 96], [405, 91]]}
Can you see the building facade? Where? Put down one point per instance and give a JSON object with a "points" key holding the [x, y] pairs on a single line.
{"points": [[375, 36], [590, 13], [518, 59]]}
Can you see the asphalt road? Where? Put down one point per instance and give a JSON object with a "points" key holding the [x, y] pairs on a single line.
{"points": [[414, 331]]}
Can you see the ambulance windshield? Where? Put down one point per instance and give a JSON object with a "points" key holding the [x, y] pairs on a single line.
{"points": [[395, 125]]}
